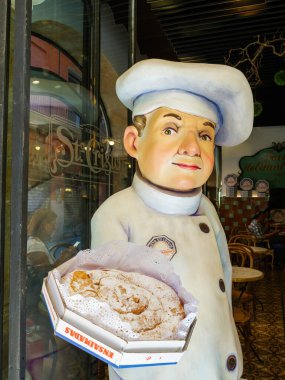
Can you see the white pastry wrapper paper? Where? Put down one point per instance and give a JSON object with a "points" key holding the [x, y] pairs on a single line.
{"points": [[128, 257]]}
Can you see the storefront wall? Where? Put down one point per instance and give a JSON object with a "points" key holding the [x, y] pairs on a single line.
{"points": [[67, 158]]}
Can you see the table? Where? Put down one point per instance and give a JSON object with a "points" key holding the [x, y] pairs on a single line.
{"points": [[246, 274], [263, 252]]}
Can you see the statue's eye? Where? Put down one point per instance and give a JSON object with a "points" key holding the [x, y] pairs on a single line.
{"points": [[169, 131], [205, 137]]}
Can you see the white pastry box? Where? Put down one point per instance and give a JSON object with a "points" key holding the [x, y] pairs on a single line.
{"points": [[103, 344]]}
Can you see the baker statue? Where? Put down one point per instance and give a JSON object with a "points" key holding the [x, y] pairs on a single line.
{"points": [[180, 111]]}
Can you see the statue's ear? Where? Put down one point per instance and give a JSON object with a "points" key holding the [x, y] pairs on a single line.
{"points": [[131, 136]]}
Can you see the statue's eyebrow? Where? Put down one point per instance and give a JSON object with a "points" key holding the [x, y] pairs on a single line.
{"points": [[206, 123], [173, 115], [209, 124]]}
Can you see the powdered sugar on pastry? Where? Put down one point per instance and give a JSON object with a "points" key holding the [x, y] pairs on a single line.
{"points": [[131, 305]]}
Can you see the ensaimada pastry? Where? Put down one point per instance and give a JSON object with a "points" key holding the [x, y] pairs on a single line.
{"points": [[131, 305]]}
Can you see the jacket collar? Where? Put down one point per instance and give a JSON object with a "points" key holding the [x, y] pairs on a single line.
{"points": [[166, 201]]}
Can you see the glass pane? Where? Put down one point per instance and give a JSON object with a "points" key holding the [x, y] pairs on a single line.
{"points": [[74, 165]]}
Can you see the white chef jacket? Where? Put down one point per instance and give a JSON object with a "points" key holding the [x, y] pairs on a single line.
{"points": [[188, 230]]}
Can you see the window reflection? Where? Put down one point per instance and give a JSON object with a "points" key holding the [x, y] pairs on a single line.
{"points": [[62, 189]]}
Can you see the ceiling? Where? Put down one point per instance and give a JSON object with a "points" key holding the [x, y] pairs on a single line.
{"points": [[219, 32]]}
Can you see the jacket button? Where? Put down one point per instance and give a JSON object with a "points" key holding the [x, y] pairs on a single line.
{"points": [[204, 227], [231, 362], [222, 285]]}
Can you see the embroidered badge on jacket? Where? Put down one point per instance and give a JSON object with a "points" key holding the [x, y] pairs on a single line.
{"points": [[164, 244]]}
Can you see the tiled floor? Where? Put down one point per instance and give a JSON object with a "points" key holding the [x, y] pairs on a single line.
{"points": [[268, 330]]}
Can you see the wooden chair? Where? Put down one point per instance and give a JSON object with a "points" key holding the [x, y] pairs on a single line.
{"points": [[244, 239], [241, 255], [242, 320], [264, 240], [237, 255], [253, 241]]}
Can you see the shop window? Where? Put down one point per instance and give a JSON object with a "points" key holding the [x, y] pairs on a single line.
{"points": [[72, 170]]}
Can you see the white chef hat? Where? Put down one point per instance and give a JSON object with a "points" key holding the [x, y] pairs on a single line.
{"points": [[219, 93]]}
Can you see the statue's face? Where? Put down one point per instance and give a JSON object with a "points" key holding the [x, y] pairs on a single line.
{"points": [[176, 149]]}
